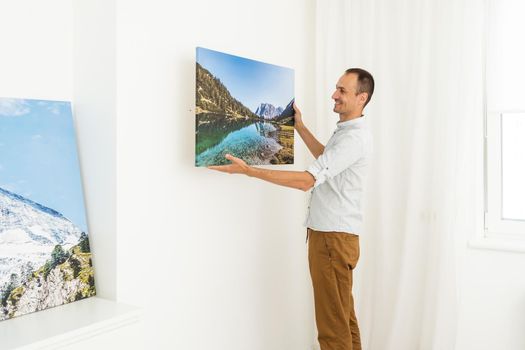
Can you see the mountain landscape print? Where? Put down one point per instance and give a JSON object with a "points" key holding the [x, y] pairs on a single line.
{"points": [[45, 258], [243, 107]]}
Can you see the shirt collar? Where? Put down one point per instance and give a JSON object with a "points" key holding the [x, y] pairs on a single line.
{"points": [[352, 123]]}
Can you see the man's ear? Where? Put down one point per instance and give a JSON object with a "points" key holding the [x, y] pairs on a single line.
{"points": [[363, 97]]}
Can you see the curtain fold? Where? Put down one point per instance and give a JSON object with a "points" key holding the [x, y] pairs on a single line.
{"points": [[426, 118]]}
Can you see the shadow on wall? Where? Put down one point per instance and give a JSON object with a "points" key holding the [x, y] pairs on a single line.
{"points": [[184, 126], [522, 322]]}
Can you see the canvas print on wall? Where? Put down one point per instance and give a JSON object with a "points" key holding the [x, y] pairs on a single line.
{"points": [[243, 107], [45, 258]]}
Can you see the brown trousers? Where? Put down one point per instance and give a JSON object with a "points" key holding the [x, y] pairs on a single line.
{"points": [[332, 257]]}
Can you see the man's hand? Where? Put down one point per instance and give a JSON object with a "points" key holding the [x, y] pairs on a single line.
{"points": [[238, 166], [315, 147], [298, 116], [301, 180]]}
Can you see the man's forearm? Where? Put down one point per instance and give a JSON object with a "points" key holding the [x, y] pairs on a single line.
{"points": [[301, 180], [315, 147]]}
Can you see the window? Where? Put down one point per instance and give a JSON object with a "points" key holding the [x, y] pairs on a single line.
{"points": [[505, 121]]}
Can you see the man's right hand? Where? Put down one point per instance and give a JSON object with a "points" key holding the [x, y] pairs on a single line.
{"points": [[298, 116], [315, 147]]}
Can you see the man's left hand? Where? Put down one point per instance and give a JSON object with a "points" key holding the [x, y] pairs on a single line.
{"points": [[238, 166]]}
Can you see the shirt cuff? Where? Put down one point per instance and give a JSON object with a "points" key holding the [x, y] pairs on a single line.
{"points": [[319, 172]]}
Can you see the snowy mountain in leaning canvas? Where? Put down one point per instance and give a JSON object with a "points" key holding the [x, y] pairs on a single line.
{"points": [[28, 234], [44, 258]]}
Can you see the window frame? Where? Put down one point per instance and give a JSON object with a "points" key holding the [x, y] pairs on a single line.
{"points": [[493, 232], [495, 225]]}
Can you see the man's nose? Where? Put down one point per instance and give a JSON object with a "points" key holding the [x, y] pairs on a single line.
{"points": [[334, 95]]}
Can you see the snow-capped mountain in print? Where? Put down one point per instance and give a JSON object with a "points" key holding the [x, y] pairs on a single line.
{"points": [[28, 234], [268, 111]]}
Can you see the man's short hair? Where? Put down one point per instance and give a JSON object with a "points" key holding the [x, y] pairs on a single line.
{"points": [[365, 82]]}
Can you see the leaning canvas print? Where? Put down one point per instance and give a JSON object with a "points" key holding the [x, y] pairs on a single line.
{"points": [[45, 259], [243, 107]]}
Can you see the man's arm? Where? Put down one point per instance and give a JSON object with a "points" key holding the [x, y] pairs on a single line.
{"points": [[315, 147], [301, 180]]}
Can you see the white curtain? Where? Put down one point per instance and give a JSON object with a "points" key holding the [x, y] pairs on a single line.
{"points": [[426, 116]]}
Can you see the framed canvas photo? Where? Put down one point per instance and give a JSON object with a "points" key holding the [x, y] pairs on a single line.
{"points": [[45, 258], [243, 107]]}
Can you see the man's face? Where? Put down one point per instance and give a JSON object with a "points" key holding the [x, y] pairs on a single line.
{"points": [[345, 98]]}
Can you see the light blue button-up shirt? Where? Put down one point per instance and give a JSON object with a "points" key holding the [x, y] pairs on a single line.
{"points": [[336, 199]]}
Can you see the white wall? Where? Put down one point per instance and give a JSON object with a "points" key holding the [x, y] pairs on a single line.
{"points": [[94, 91], [492, 308], [218, 261], [36, 60]]}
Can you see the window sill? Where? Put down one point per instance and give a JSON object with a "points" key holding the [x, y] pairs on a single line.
{"points": [[65, 325], [501, 244]]}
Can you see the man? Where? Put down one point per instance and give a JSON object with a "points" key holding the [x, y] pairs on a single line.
{"points": [[334, 219]]}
